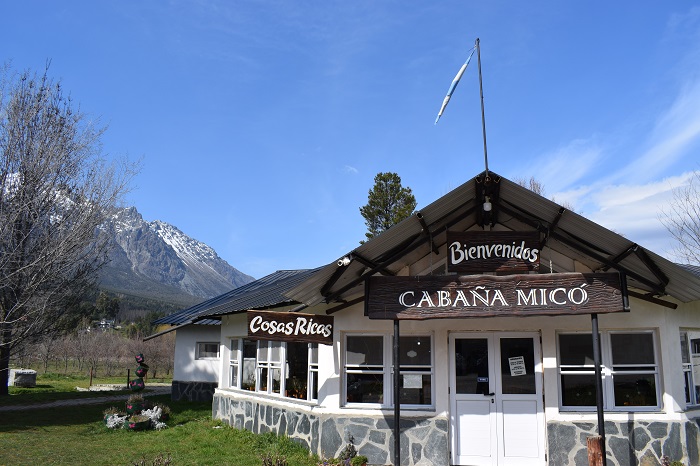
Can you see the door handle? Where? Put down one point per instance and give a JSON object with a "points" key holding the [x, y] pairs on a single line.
{"points": [[489, 394]]}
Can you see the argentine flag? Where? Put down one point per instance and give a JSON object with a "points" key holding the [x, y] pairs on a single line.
{"points": [[455, 81]]}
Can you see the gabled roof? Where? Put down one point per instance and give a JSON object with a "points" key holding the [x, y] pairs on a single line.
{"points": [[260, 294], [570, 243]]}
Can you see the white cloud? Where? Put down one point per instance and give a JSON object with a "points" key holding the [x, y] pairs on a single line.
{"points": [[675, 134], [567, 165], [632, 210], [350, 170]]}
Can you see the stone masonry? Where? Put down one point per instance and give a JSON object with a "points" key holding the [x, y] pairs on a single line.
{"points": [[630, 443], [193, 391], [424, 440]]}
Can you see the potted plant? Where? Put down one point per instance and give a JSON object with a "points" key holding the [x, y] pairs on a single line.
{"points": [[139, 422], [135, 404], [164, 412], [359, 460], [142, 370], [137, 385], [109, 412]]}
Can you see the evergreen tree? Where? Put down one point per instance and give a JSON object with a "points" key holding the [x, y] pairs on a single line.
{"points": [[388, 203]]}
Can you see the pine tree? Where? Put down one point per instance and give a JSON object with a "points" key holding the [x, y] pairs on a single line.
{"points": [[388, 202]]}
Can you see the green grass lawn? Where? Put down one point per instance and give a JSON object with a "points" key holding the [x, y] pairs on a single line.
{"points": [[77, 435]]}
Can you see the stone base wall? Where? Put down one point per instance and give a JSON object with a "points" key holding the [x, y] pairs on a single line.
{"points": [[627, 443], [424, 440], [193, 391]]}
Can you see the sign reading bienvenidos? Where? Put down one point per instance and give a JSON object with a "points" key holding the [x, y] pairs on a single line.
{"points": [[290, 326], [493, 251], [453, 296]]}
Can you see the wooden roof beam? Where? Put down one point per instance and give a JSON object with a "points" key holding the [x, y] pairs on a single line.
{"points": [[552, 227], [426, 231]]}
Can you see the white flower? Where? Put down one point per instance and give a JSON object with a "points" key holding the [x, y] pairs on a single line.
{"points": [[153, 413], [157, 425], [115, 420]]}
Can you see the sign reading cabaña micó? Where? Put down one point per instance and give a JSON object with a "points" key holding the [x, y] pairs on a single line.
{"points": [[453, 296], [290, 326], [493, 251]]}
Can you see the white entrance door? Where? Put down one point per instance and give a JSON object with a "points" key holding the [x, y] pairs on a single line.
{"points": [[497, 417]]}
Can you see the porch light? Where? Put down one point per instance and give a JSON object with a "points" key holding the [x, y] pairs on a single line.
{"points": [[487, 204]]}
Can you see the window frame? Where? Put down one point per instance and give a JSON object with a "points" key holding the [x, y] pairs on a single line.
{"points": [[387, 371], [198, 351], [691, 383], [236, 365], [609, 371]]}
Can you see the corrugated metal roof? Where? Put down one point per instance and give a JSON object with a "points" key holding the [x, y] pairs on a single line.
{"points": [[259, 294], [573, 244]]}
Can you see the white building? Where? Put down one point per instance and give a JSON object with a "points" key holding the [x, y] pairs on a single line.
{"points": [[514, 387]]}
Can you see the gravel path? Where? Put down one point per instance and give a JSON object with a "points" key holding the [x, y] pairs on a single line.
{"points": [[121, 396]]}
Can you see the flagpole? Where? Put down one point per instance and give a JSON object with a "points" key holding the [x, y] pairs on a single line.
{"points": [[483, 118]]}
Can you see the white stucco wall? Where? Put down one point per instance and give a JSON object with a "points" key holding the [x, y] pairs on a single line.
{"points": [[187, 367], [666, 324]]}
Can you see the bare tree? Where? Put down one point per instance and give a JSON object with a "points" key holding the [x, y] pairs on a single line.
{"points": [[537, 187], [56, 189], [532, 184], [682, 220], [45, 352]]}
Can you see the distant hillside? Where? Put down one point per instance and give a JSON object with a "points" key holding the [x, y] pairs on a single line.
{"points": [[155, 261]]}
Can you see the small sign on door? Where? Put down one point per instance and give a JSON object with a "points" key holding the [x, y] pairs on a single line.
{"points": [[517, 366]]}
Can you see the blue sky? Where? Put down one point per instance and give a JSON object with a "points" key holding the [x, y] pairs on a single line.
{"points": [[261, 124]]}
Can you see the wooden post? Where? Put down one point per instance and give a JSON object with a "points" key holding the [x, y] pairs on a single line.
{"points": [[595, 450], [90, 377], [128, 377]]}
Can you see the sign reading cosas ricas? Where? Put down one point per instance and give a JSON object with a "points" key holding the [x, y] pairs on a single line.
{"points": [[290, 326]]}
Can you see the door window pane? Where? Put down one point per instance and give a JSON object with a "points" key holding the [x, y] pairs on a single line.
{"points": [[518, 366], [472, 365]]}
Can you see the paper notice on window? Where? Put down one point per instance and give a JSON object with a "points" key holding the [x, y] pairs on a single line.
{"points": [[412, 381], [517, 366]]}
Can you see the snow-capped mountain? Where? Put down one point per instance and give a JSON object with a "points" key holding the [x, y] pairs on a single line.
{"points": [[155, 259]]}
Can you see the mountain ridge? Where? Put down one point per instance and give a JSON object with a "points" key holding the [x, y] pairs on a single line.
{"points": [[156, 260]]}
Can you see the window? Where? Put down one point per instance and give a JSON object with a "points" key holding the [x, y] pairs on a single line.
{"points": [[368, 370], [690, 354], [269, 370], [629, 370], [364, 369], [274, 367], [416, 370], [208, 350]]}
